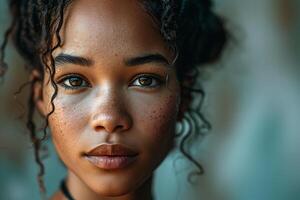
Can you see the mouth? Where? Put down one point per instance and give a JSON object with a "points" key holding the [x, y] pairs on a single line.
{"points": [[111, 156]]}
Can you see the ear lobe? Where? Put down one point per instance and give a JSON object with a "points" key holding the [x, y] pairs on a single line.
{"points": [[37, 91]]}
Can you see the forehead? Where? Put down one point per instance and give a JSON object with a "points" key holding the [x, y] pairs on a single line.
{"points": [[110, 26]]}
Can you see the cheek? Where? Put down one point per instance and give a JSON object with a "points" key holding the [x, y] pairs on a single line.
{"points": [[68, 113], [66, 123], [160, 118]]}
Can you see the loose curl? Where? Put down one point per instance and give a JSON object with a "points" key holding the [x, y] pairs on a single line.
{"points": [[189, 27]]}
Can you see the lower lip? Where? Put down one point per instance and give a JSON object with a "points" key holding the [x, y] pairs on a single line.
{"points": [[111, 162]]}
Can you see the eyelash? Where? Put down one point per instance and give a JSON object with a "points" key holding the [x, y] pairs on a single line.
{"points": [[68, 77], [157, 78], [159, 81]]}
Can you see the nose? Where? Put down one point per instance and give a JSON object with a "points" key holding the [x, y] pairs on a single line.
{"points": [[110, 115]]}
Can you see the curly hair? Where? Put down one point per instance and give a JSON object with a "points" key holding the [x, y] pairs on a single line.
{"points": [[189, 27]]}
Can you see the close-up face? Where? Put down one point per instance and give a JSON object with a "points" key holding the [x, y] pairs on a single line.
{"points": [[118, 96]]}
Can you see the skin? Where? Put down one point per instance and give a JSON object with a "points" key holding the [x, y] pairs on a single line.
{"points": [[109, 103]]}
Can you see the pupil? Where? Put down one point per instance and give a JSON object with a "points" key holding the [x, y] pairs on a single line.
{"points": [[75, 81], [145, 81]]}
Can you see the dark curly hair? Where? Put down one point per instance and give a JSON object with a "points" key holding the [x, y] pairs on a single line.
{"points": [[189, 27]]}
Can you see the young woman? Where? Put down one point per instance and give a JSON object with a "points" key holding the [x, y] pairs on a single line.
{"points": [[112, 78]]}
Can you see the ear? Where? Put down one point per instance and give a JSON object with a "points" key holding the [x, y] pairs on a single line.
{"points": [[37, 91]]}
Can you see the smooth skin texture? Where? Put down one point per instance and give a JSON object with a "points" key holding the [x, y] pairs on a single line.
{"points": [[115, 86]]}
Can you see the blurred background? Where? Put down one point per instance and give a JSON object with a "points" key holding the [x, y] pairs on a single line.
{"points": [[253, 100]]}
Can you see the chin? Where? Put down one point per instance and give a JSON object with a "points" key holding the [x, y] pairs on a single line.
{"points": [[112, 192], [112, 188]]}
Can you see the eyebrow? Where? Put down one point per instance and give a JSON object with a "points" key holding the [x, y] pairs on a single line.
{"points": [[71, 59], [64, 58], [147, 58]]}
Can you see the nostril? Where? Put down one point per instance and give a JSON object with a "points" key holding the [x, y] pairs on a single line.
{"points": [[117, 128], [111, 122], [98, 128]]}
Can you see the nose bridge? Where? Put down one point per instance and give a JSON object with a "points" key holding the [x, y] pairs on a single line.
{"points": [[110, 112]]}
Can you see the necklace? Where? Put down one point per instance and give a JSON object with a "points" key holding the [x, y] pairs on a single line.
{"points": [[64, 189]]}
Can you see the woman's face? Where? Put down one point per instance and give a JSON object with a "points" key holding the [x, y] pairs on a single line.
{"points": [[118, 96]]}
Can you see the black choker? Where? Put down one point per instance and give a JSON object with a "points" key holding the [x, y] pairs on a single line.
{"points": [[64, 189]]}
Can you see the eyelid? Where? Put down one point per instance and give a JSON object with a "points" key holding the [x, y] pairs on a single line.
{"points": [[63, 78], [149, 75], [158, 78]]}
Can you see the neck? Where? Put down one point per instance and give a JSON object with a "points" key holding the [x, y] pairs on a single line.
{"points": [[79, 190]]}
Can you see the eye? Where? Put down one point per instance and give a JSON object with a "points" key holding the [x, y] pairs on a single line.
{"points": [[149, 81], [73, 82]]}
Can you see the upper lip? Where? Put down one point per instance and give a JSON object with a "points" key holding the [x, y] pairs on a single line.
{"points": [[112, 150]]}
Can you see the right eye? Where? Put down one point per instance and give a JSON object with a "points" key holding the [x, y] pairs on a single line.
{"points": [[73, 82]]}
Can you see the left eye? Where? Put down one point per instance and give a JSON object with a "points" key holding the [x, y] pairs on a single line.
{"points": [[73, 82], [147, 81]]}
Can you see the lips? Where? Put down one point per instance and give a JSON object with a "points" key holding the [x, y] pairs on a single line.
{"points": [[111, 156]]}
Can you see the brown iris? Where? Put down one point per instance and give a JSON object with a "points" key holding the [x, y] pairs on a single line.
{"points": [[145, 81], [75, 81]]}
